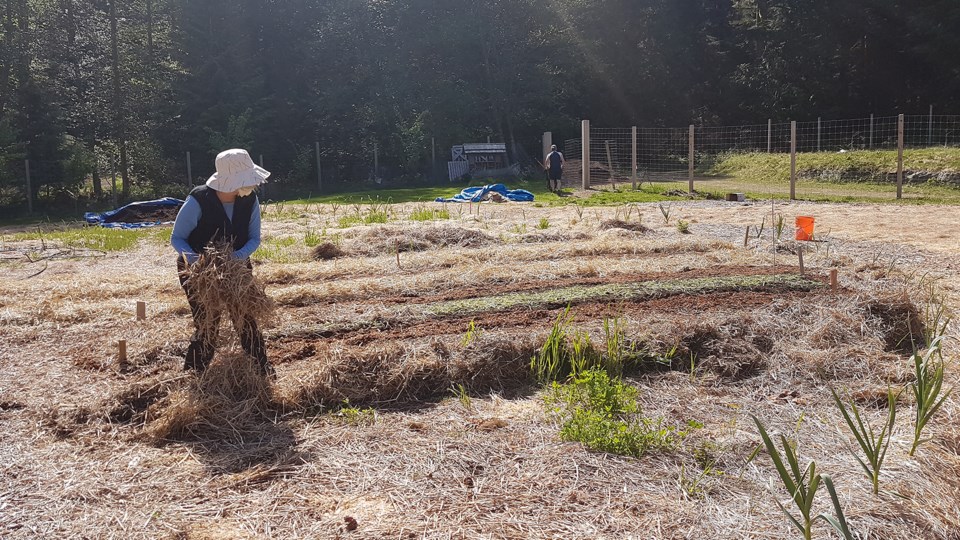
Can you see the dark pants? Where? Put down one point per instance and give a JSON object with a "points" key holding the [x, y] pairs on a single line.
{"points": [[206, 331]]}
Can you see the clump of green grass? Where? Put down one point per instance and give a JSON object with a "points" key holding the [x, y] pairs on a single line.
{"points": [[683, 227], [375, 216], [276, 250], [428, 214], [614, 331], [602, 413], [544, 223], [313, 239], [98, 238], [568, 352], [349, 221]]}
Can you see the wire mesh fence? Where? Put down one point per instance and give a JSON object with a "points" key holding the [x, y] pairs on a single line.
{"points": [[877, 157]]}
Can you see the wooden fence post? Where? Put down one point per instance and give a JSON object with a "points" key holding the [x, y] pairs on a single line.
{"points": [[793, 159], [26, 163], [930, 128], [376, 161], [547, 142], [189, 173], [769, 135], [818, 134], [585, 153], [899, 156], [433, 156], [690, 160], [633, 163], [871, 131]]}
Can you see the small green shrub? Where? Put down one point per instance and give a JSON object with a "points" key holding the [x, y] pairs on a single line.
{"points": [[683, 226], [603, 414], [97, 238]]}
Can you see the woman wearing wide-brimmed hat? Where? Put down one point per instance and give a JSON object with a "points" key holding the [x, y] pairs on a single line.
{"points": [[224, 211]]}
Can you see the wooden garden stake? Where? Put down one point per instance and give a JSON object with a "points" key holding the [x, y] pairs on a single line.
{"points": [[746, 236], [141, 311], [800, 255], [122, 350], [834, 284]]}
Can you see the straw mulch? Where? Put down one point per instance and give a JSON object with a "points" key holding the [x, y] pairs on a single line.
{"points": [[397, 373], [635, 226], [383, 240]]}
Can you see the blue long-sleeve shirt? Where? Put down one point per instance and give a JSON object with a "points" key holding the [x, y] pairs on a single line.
{"points": [[189, 217]]}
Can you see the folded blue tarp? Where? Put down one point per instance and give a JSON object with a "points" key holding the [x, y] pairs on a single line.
{"points": [[479, 193], [137, 214]]}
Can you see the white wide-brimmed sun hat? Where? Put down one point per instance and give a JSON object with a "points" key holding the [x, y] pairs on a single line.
{"points": [[236, 170]]}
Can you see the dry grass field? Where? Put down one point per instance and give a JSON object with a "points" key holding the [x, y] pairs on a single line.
{"points": [[404, 405]]}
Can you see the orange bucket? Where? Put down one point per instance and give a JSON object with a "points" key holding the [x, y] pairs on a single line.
{"points": [[804, 228]]}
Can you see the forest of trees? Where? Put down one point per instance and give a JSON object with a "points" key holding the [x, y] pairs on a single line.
{"points": [[92, 86]]}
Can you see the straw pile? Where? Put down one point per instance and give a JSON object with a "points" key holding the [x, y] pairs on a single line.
{"points": [[224, 284], [230, 400]]}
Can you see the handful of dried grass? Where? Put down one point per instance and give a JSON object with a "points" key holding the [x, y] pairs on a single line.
{"points": [[223, 283]]}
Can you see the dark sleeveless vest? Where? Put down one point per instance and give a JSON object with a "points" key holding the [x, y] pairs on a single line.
{"points": [[214, 227]]}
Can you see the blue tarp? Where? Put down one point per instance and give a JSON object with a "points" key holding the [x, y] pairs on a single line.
{"points": [[479, 193], [137, 215]]}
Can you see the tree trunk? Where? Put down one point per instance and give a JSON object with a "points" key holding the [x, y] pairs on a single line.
{"points": [[8, 47], [71, 23], [150, 31], [118, 99]]}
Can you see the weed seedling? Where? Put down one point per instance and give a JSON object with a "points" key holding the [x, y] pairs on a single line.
{"points": [[683, 226], [543, 224], [473, 334], [463, 396]]}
